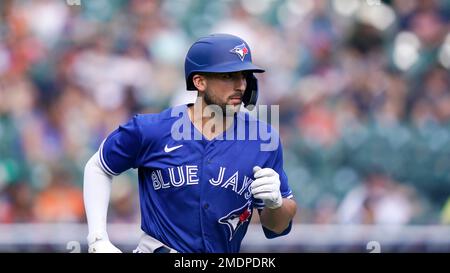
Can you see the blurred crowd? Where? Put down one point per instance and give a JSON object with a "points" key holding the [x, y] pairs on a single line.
{"points": [[363, 89]]}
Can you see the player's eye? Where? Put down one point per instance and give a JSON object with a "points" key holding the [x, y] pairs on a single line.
{"points": [[227, 76]]}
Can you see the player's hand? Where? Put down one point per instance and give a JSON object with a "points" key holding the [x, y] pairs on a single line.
{"points": [[101, 244], [267, 187]]}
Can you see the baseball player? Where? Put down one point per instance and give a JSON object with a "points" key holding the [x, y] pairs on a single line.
{"points": [[197, 193]]}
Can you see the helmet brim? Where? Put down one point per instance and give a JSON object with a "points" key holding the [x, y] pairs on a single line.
{"points": [[231, 67]]}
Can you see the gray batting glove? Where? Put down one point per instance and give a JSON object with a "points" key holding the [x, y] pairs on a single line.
{"points": [[267, 187]]}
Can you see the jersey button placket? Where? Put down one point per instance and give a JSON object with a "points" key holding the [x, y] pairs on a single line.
{"points": [[203, 199]]}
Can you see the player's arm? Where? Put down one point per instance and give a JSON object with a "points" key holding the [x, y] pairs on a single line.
{"points": [[118, 153], [96, 191], [278, 211], [277, 220]]}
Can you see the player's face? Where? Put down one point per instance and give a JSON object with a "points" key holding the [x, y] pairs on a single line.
{"points": [[225, 90]]}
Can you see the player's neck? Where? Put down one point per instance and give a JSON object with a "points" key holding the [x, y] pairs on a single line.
{"points": [[210, 125]]}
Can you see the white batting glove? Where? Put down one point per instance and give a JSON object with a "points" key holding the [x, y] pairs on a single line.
{"points": [[267, 187], [101, 244]]}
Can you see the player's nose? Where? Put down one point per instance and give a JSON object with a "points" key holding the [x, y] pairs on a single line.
{"points": [[240, 82]]}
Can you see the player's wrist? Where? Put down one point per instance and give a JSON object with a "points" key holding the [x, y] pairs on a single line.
{"points": [[274, 203]]}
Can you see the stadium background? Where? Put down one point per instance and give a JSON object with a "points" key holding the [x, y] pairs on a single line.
{"points": [[363, 88]]}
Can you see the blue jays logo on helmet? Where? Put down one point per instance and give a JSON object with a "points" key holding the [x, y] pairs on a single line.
{"points": [[240, 50], [236, 218]]}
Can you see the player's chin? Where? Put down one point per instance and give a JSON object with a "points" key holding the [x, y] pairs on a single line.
{"points": [[231, 109]]}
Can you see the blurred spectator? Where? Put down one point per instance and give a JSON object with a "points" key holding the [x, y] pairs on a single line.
{"points": [[16, 203], [379, 200], [60, 201]]}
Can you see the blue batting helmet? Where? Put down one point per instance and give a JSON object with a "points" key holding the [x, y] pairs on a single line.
{"points": [[221, 53]]}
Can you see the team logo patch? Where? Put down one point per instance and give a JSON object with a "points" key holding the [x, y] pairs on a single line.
{"points": [[240, 50], [235, 219]]}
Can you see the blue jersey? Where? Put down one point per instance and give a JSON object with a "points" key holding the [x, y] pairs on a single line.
{"points": [[194, 194]]}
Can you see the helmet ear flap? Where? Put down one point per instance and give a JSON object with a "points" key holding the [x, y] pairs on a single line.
{"points": [[251, 92]]}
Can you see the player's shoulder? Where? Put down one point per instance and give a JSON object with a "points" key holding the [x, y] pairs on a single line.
{"points": [[154, 126], [166, 116], [251, 119], [258, 131]]}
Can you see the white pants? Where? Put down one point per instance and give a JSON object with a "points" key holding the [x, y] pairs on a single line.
{"points": [[148, 244]]}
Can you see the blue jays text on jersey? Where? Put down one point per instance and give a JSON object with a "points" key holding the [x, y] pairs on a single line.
{"points": [[194, 194]]}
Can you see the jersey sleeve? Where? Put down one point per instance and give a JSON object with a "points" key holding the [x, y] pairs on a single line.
{"points": [[120, 150]]}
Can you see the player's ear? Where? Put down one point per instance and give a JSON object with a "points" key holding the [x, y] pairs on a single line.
{"points": [[199, 82]]}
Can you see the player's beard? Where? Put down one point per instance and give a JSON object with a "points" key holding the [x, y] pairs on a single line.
{"points": [[227, 109]]}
